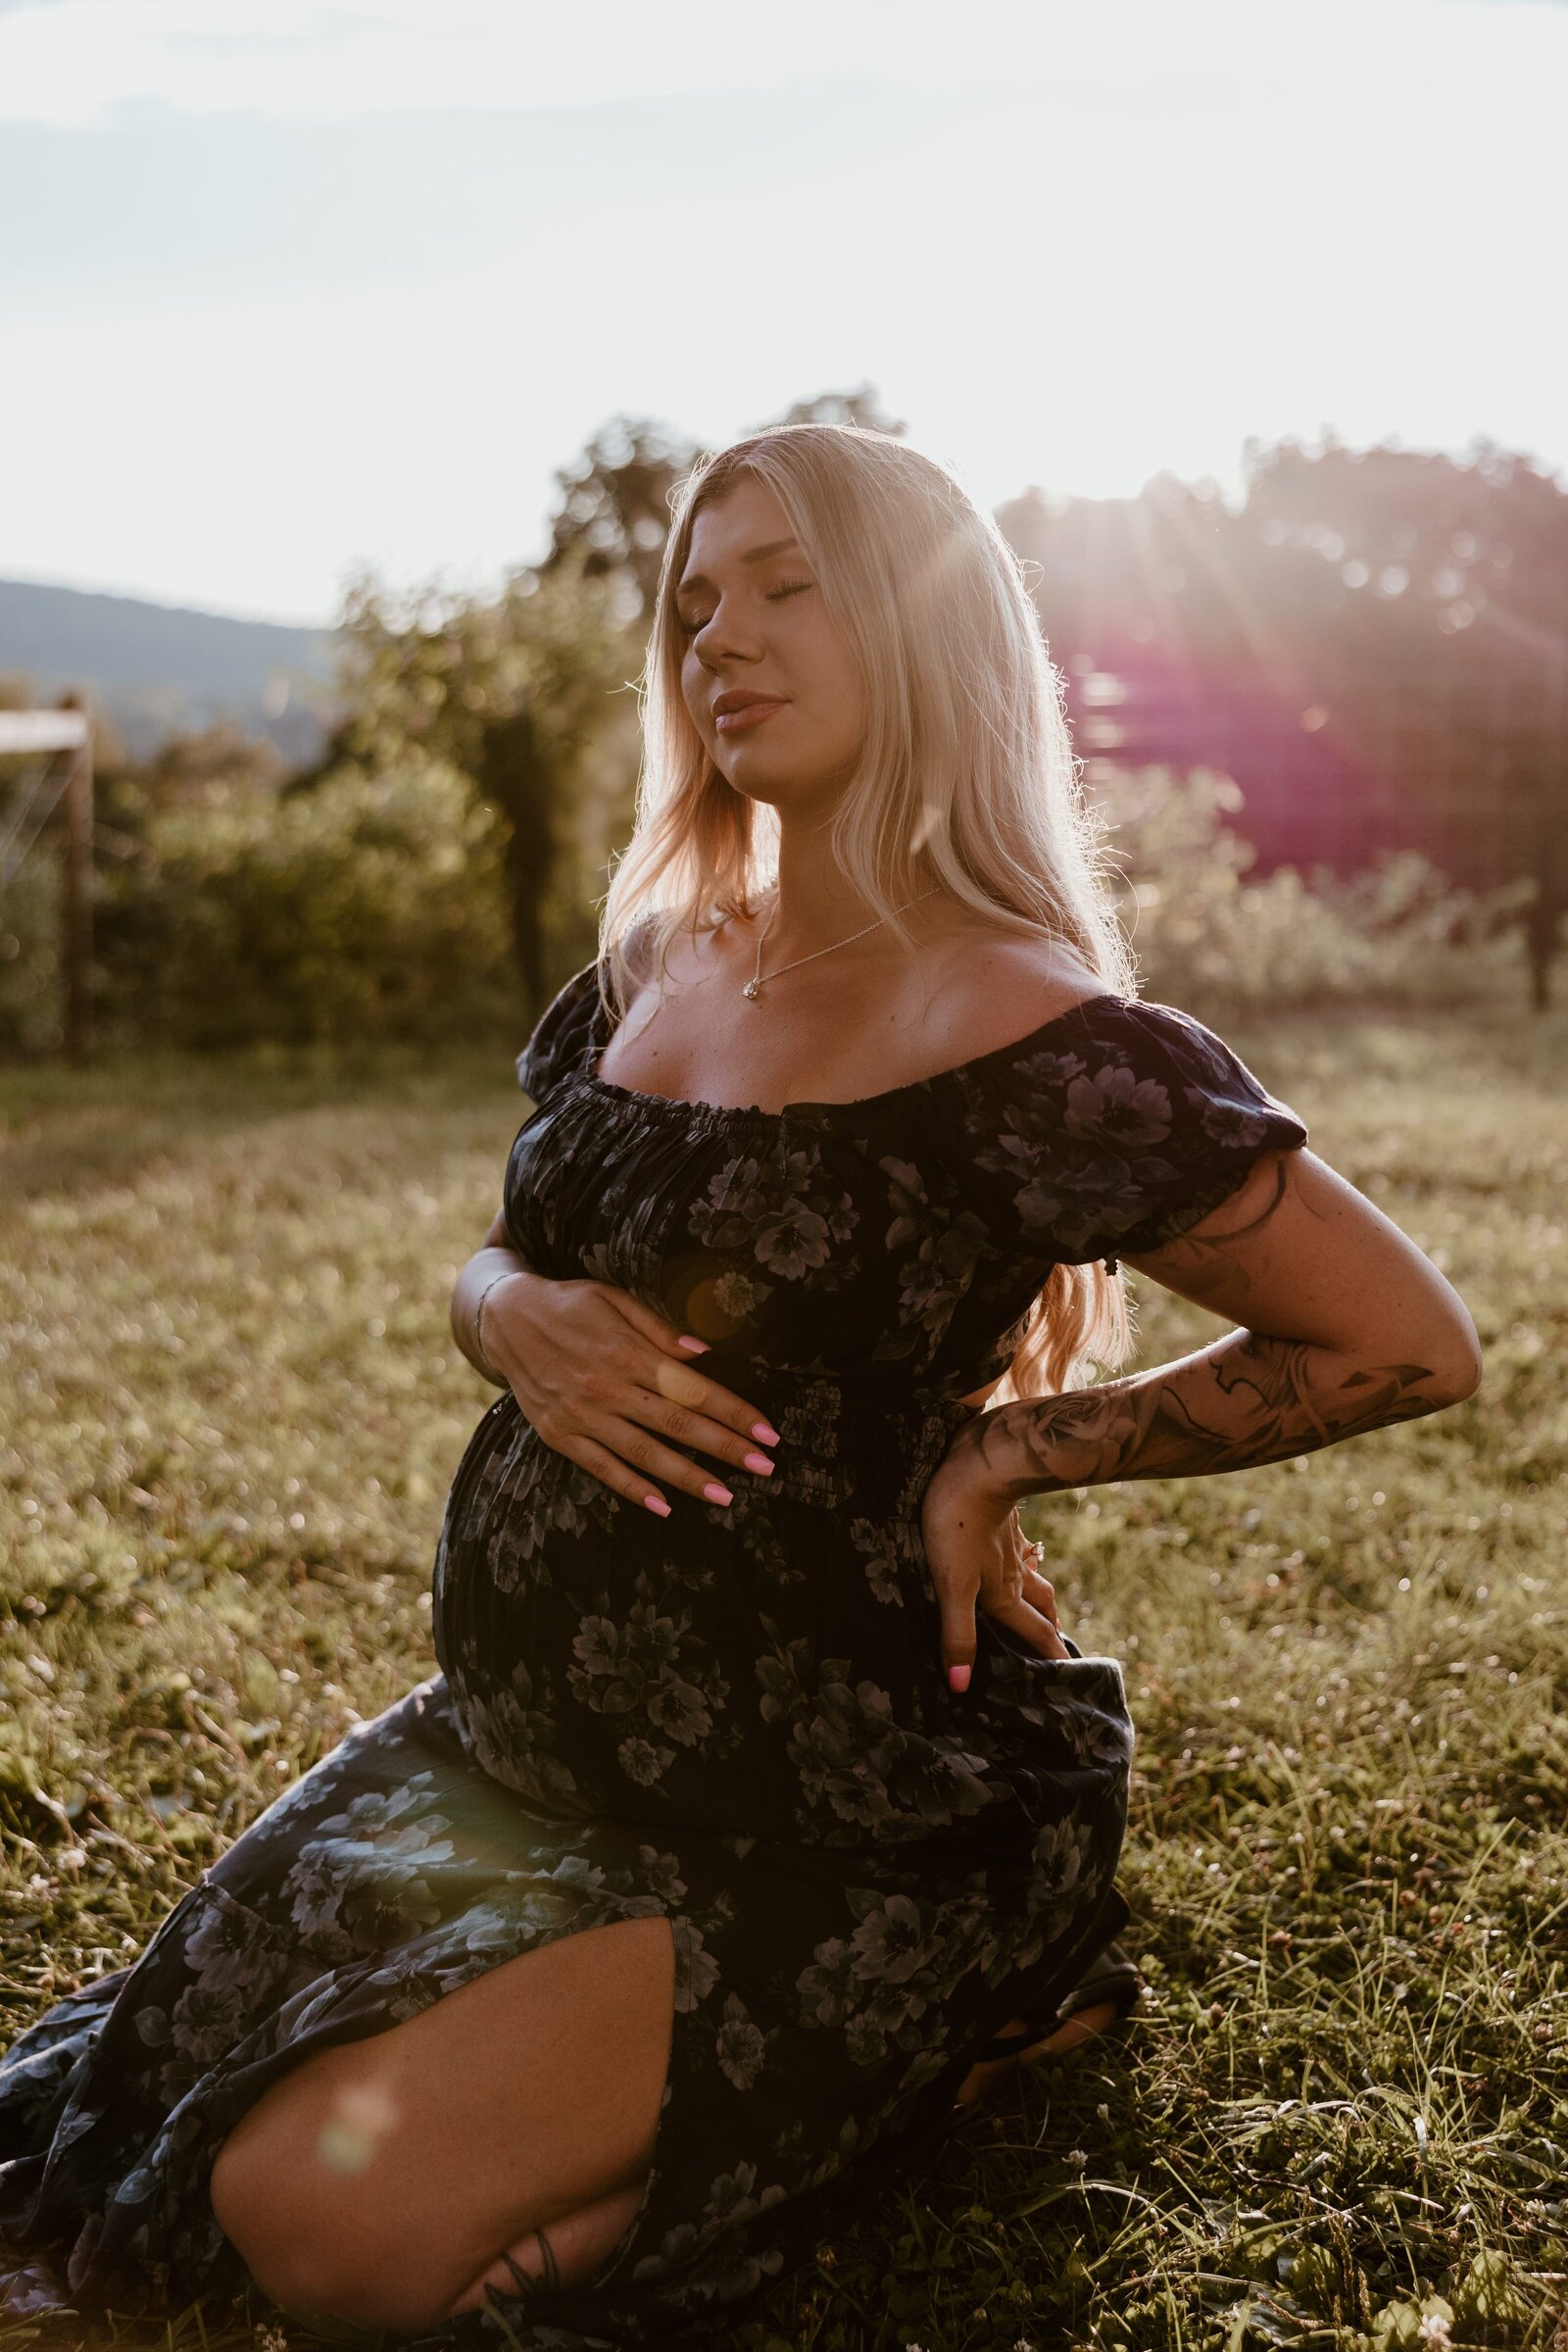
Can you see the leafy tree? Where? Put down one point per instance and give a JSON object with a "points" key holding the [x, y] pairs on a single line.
{"points": [[182, 769], [616, 499], [518, 692], [1404, 559], [862, 408], [614, 507], [1406, 611], [508, 693]]}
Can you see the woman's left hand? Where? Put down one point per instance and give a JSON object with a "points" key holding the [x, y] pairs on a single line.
{"points": [[979, 1558]]}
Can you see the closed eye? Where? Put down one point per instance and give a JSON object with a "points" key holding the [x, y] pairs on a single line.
{"points": [[689, 629]]}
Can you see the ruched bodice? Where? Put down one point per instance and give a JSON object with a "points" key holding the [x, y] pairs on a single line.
{"points": [[901, 1237]]}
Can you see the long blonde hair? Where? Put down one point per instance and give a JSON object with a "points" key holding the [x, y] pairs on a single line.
{"points": [[967, 775]]}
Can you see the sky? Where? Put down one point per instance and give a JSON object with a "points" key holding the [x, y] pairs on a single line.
{"points": [[291, 286]]}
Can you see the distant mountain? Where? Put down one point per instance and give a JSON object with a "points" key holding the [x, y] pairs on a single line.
{"points": [[156, 670]]}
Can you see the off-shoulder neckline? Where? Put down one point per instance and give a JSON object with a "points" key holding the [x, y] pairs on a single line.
{"points": [[595, 1048]]}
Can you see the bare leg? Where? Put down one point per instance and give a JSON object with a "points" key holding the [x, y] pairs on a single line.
{"points": [[377, 2182]]}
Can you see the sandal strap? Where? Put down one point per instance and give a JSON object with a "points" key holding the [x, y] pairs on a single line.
{"points": [[528, 2287], [1111, 1977]]}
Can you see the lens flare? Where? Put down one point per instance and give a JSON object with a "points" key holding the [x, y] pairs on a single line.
{"points": [[363, 2115]]}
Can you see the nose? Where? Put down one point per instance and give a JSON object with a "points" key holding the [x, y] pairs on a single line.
{"points": [[724, 636]]}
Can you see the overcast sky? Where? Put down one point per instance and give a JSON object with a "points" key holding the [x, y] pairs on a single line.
{"points": [[288, 285]]}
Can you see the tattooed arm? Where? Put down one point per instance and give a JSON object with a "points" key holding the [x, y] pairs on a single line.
{"points": [[1348, 1325]]}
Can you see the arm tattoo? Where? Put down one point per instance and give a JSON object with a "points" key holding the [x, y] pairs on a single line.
{"points": [[1209, 1258], [1250, 1397]]}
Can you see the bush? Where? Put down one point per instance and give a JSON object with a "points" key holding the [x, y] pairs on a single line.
{"points": [[362, 908], [1203, 935], [32, 1008], [366, 907]]}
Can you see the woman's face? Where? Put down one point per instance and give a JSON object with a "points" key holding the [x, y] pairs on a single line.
{"points": [[753, 622]]}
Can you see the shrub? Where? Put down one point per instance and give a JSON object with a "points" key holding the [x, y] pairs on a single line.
{"points": [[1203, 935], [362, 908], [374, 907], [32, 1013]]}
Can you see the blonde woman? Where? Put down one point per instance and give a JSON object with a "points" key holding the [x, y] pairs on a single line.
{"points": [[761, 1809]]}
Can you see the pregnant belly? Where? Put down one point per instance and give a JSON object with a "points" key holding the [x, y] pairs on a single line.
{"points": [[771, 1665]]}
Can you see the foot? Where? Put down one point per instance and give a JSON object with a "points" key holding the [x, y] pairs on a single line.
{"points": [[1081, 2028]]}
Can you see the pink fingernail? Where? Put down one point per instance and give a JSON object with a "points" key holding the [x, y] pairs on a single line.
{"points": [[657, 1503], [717, 1493], [694, 1346], [958, 1677], [770, 1437], [759, 1461]]}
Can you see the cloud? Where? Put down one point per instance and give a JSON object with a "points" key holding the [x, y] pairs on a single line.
{"points": [[69, 63], [354, 297]]}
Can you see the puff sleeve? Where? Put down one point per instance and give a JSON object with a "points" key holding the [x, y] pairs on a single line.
{"points": [[561, 1036], [1116, 1127]]}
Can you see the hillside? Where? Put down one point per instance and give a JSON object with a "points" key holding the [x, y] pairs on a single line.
{"points": [[157, 669]]}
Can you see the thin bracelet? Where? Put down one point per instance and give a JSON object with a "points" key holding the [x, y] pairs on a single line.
{"points": [[485, 1365]]}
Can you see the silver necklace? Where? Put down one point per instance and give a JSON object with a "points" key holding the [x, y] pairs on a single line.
{"points": [[755, 984]]}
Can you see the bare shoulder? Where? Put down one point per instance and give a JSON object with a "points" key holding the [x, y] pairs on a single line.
{"points": [[989, 987]]}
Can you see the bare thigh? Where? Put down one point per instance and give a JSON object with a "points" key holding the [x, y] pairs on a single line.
{"points": [[377, 2180]]}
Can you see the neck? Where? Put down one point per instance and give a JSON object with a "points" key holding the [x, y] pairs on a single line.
{"points": [[816, 904]]}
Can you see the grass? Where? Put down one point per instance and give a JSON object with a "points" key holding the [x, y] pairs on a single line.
{"points": [[231, 1409]]}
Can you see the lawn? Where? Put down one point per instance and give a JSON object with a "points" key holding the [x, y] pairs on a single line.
{"points": [[230, 1411]]}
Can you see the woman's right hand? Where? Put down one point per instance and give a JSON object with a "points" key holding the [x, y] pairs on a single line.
{"points": [[605, 1381]]}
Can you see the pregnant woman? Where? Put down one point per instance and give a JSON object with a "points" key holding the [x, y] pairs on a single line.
{"points": [[759, 1796]]}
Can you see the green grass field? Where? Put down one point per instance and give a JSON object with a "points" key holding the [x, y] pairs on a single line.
{"points": [[230, 1411]]}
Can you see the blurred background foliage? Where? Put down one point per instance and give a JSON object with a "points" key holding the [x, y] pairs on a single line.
{"points": [[1283, 714]]}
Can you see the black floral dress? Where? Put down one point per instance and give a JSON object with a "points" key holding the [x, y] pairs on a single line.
{"points": [[736, 1717]]}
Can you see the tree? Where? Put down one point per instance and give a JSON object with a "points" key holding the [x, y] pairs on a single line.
{"points": [[509, 691], [616, 499], [1373, 642], [861, 408], [615, 510], [518, 693]]}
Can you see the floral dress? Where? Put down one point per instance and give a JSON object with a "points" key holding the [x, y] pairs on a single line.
{"points": [[736, 1717]]}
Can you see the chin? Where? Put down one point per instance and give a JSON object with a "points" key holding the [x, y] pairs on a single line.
{"points": [[751, 773], [758, 789], [779, 779]]}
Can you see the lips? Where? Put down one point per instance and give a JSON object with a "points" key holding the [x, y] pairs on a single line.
{"points": [[733, 712]]}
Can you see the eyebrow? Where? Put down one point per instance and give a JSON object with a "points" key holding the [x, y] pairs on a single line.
{"points": [[753, 555]]}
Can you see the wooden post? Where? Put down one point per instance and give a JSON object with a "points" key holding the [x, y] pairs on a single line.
{"points": [[76, 942], [65, 731]]}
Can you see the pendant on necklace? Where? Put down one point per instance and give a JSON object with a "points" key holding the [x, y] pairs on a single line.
{"points": [[751, 989]]}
